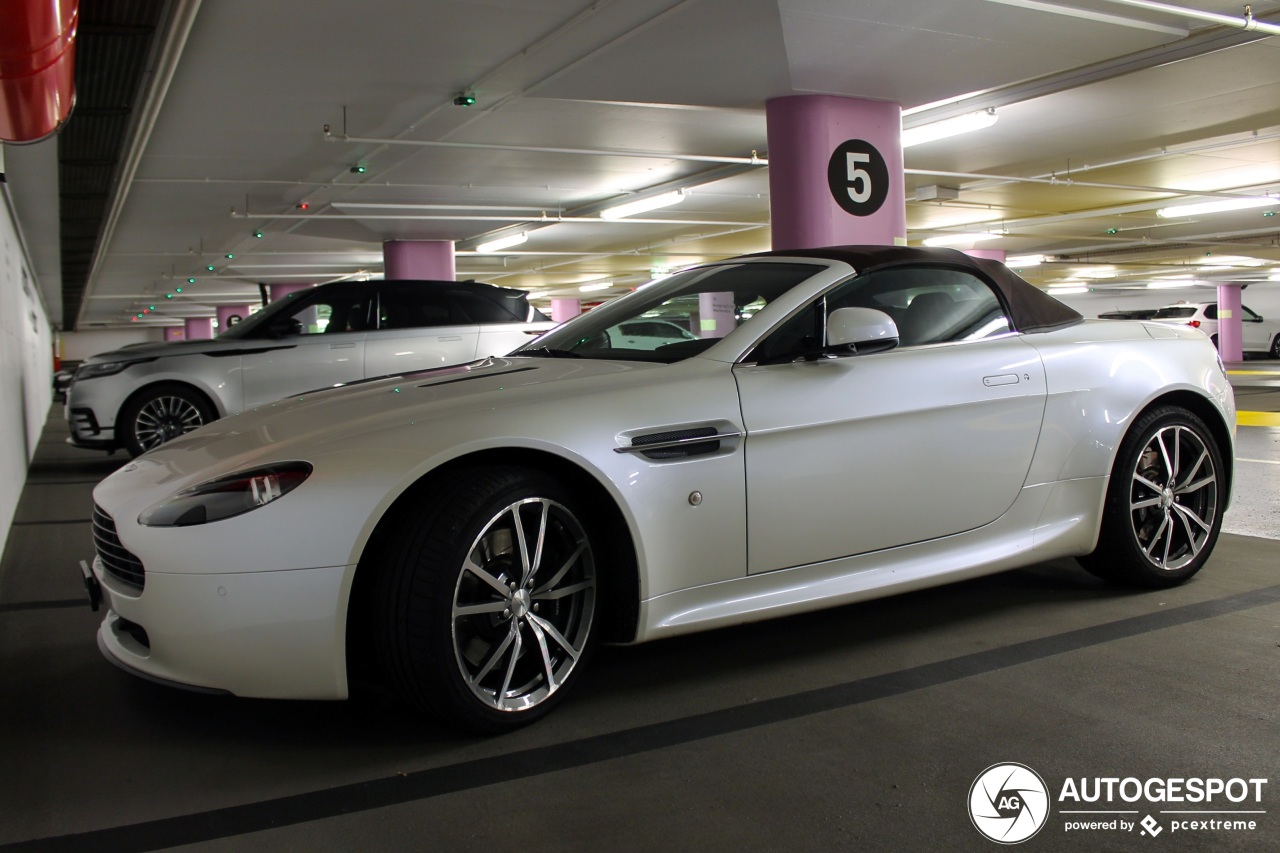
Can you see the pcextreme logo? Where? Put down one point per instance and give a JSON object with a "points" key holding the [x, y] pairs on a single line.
{"points": [[1009, 803]]}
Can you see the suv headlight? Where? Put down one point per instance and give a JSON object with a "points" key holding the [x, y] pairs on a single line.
{"points": [[227, 496], [103, 368]]}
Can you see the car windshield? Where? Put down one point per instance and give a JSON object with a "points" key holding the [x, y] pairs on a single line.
{"points": [[674, 318]]}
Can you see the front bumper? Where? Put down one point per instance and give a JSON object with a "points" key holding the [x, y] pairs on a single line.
{"points": [[277, 635], [85, 430]]}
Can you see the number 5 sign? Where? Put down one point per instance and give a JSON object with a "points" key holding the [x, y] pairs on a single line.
{"points": [[858, 177]]}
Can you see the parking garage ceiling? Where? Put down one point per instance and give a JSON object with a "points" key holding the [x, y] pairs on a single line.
{"points": [[1107, 112]]}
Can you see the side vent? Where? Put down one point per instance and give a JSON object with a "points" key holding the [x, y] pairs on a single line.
{"points": [[678, 444]]}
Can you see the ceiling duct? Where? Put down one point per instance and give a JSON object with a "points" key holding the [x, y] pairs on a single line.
{"points": [[937, 192]]}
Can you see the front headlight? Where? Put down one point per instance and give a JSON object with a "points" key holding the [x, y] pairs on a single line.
{"points": [[104, 368], [227, 496]]}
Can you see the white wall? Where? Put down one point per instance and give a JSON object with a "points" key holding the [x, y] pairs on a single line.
{"points": [[77, 346], [26, 365]]}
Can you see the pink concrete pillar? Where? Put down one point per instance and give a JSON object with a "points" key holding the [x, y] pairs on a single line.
{"points": [[989, 254], [229, 315], [173, 333], [198, 328], [280, 291], [835, 172], [418, 259], [1230, 335], [564, 309]]}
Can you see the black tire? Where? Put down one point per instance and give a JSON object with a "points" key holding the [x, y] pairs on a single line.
{"points": [[160, 413], [508, 545], [1164, 504], [1275, 347]]}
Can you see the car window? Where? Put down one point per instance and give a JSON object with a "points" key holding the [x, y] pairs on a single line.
{"points": [[404, 309], [1250, 315], [929, 305], [1211, 312], [1174, 312], [474, 309], [689, 312], [333, 312]]}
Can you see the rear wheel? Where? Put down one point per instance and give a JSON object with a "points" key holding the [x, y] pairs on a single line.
{"points": [[1164, 505], [1275, 347], [161, 413], [487, 609]]}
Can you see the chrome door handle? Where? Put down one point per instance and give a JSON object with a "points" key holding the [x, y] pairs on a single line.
{"points": [[341, 346]]}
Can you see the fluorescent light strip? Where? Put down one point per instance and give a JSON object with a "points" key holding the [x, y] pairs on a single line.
{"points": [[643, 205], [1100, 17], [1220, 206], [948, 127], [960, 239], [502, 243], [600, 285], [1024, 261]]}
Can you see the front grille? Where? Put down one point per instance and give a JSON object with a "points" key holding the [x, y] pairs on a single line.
{"points": [[115, 558]]}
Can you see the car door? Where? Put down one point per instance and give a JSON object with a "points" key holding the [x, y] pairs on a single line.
{"points": [[850, 455], [1253, 332], [418, 327], [318, 344]]}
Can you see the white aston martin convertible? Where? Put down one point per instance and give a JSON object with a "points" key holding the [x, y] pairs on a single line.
{"points": [[841, 424]]}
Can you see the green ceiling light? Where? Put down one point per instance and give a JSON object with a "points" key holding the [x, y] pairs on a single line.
{"points": [[190, 281], [1113, 230], [151, 307], [1268, 213], [464, 99], [177, 289], [257, 234], [209, 267], [168, 296], [230, 256], [359, 169]]}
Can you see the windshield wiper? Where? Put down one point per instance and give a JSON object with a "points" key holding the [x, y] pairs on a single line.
{"points": [[548, 352]]}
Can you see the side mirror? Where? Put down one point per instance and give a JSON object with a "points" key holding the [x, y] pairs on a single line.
{"points": [[282, 327], [861, 330]]}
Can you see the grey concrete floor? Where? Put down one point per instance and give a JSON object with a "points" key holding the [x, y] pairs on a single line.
{"points": [[857, 728]]}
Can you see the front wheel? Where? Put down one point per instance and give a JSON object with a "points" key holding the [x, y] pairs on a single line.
{"points": [[488, 604], [1275, 347], [1164, 505], [161, 413]]}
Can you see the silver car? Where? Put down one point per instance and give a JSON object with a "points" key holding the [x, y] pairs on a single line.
{"points": [[141, 396]]}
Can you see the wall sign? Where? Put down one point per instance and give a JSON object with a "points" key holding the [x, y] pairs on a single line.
{"points": [[858, 177]]}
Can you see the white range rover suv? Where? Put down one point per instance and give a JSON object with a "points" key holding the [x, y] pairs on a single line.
{"points": [[141, 396], [1257, 335]]}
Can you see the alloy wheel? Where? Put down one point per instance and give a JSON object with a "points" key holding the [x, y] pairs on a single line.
{"points": [[1173, 502], [523, 604]]}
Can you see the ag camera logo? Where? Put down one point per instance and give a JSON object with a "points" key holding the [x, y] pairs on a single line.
{"points": [[1008, 803]]}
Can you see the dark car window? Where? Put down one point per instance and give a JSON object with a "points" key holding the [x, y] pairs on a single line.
{"points": [[473, 309], [402, 309], [1174, 312], [1211, 312], [930, 305]]}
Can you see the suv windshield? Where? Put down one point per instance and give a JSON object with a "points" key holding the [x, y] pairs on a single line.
{"points": [[672, 319]]}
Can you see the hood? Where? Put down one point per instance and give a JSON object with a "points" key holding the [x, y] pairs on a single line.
{"points": [[160, 349], [333, 418]]}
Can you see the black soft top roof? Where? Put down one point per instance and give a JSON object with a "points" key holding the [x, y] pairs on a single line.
{"points": [[1030, 308]]}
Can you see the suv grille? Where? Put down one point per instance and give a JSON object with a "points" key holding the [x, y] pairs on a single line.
{"points": [[115, 558]]}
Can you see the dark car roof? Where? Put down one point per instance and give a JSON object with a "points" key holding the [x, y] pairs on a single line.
{"points": [[1030, 308]]}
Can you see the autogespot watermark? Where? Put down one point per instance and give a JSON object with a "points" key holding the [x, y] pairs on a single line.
{"points": [[1009, 803]]}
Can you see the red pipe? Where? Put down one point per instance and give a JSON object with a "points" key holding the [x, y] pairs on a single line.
{"points": [[37, 67]]}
